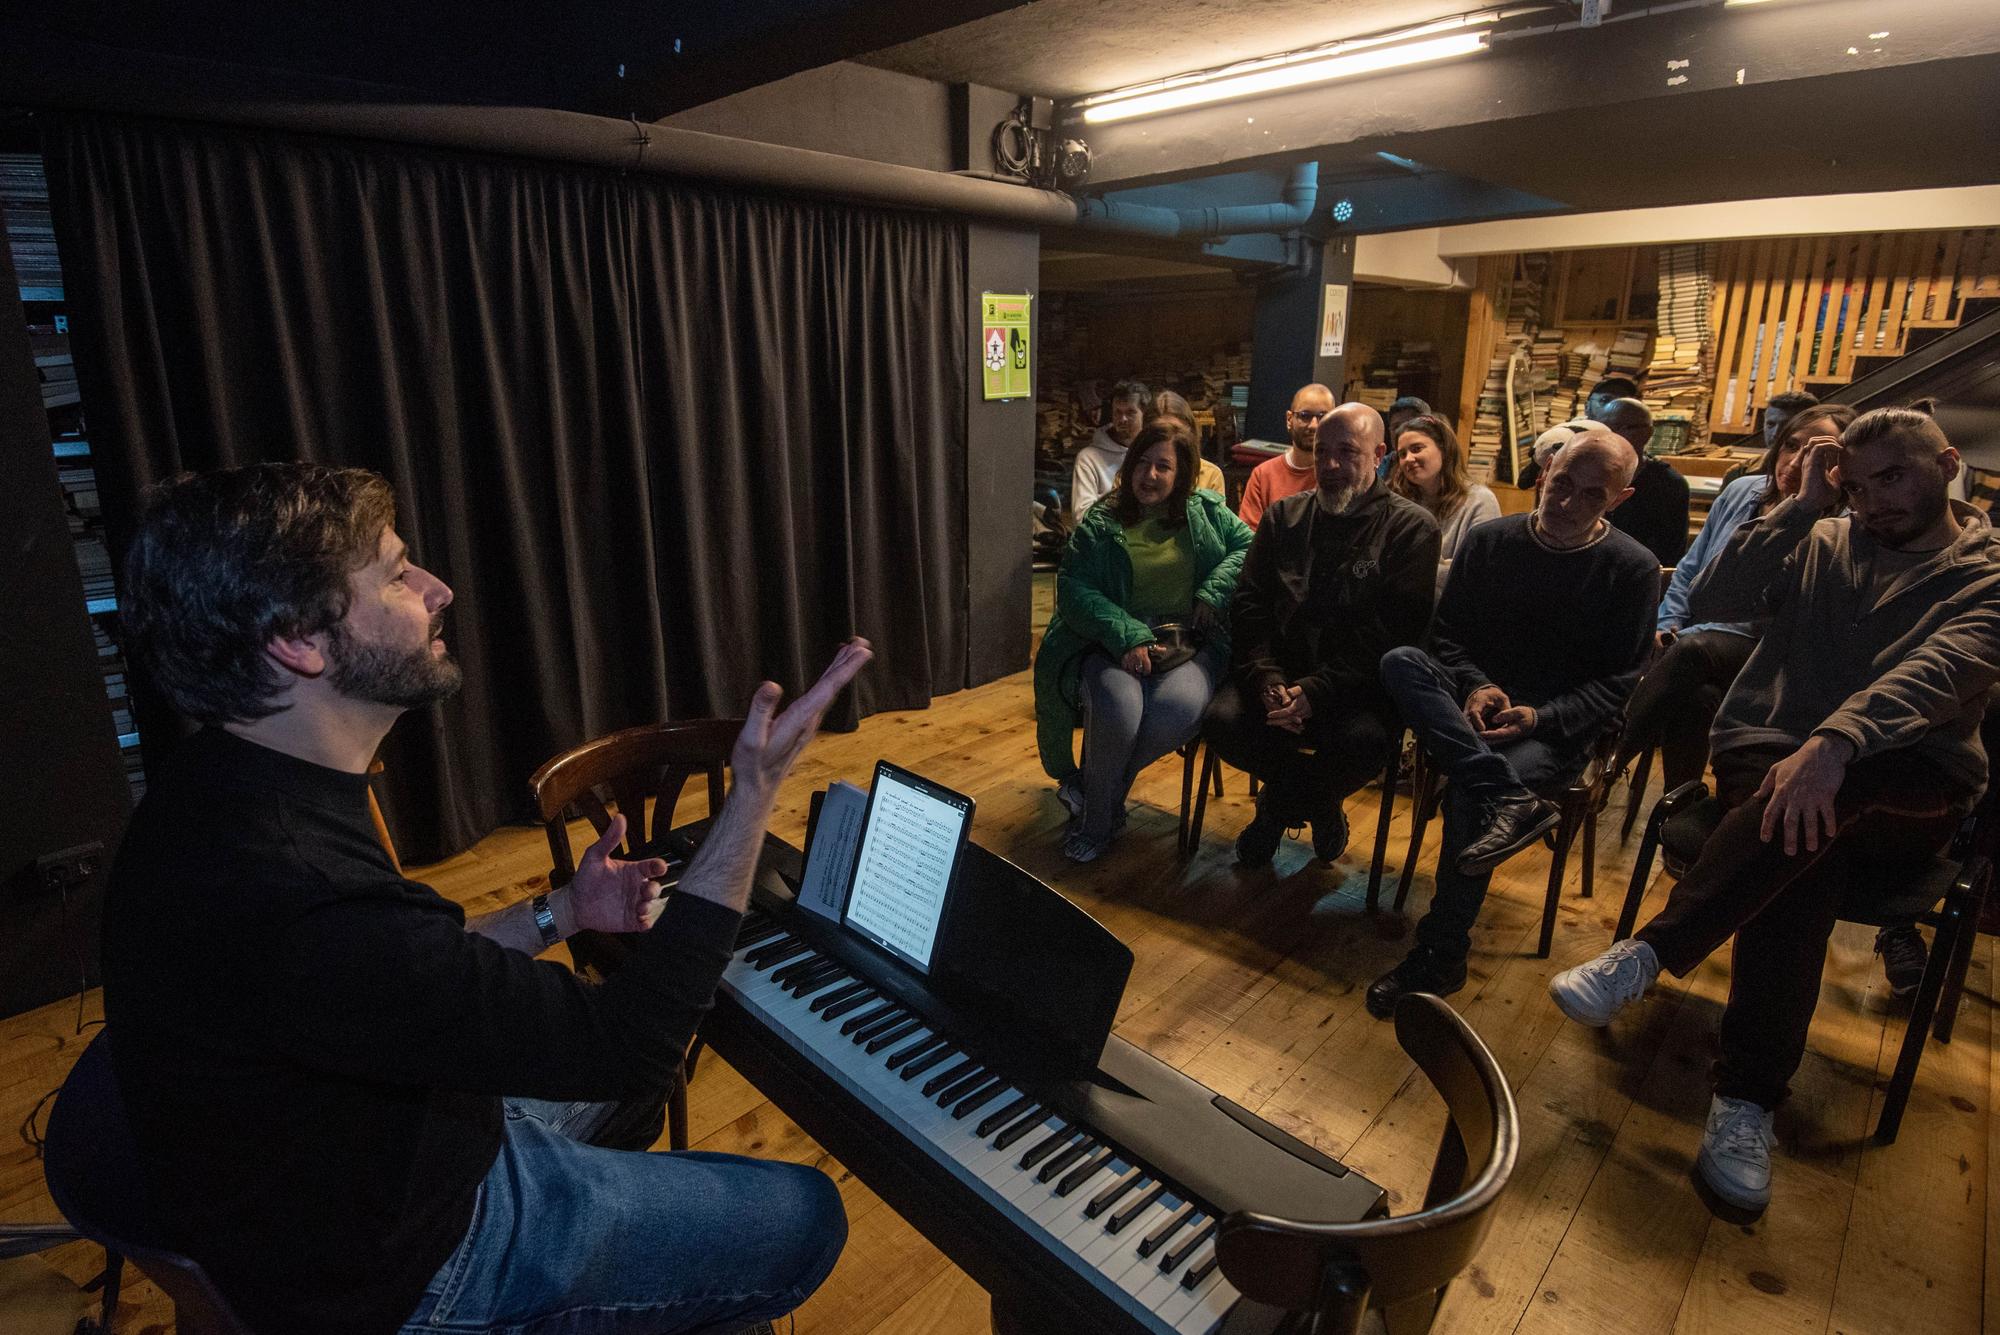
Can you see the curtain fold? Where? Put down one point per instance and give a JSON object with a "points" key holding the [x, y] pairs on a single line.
{"points": [[662, 440]]}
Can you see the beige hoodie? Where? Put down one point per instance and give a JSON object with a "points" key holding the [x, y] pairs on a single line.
{"points": [[1908, 667]]}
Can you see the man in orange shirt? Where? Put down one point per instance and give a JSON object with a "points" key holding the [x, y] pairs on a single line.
{"points": [[1292, 471]]}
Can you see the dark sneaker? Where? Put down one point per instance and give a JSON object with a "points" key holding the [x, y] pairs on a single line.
{"points": [[1259, 840], [1901, 947], [1422, 970], [1330, 835], [1507, 825]]}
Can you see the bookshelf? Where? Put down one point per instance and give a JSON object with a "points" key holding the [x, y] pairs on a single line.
{"points": [[30, 234]]}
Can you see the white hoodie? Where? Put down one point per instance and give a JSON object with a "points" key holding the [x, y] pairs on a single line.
{"points": [[1097, 466]]}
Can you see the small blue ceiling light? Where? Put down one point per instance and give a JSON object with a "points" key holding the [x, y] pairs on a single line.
{"points": [[1343, 210]]}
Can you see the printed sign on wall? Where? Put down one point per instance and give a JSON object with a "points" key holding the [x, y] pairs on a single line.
{"points": [[1333, 321], [1003, 344]]}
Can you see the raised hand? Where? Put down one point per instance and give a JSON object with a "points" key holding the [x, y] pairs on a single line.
{"points": [[770, 742], [608, 895], [1821, 470]]}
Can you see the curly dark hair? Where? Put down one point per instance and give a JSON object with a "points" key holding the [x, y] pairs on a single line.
{"points": [[1187, 460], [225, 561]]}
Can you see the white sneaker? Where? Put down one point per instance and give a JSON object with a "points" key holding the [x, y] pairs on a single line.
{"points": [[1735, 1158], [1594, 991]]}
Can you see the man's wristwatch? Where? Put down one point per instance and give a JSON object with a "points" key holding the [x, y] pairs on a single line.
{"points": [[545, 920]]}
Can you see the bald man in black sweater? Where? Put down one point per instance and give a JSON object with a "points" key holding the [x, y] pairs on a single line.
{"points": [[1539, 639]]}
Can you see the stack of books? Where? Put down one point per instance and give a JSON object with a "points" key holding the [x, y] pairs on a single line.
{"points": [[1679, 374]]}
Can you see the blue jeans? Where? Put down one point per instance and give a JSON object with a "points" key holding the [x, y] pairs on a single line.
{"points": [[1474, 772], [570, 1239], [1133, 721]]}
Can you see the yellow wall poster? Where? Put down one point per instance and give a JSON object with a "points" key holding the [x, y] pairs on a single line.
{"points": [[1003, 344]]}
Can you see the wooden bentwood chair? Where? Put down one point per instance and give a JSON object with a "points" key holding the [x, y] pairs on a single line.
{"points": [[626, 770], [1329, 1275]]}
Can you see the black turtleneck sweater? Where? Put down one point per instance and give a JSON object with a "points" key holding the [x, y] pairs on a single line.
{"points": [[312, 1049]]}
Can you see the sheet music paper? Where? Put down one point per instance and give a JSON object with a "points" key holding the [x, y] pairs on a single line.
{"points": [[905, 868], [832, 853]]}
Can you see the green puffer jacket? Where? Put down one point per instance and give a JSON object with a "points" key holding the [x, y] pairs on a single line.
{"points": [[1092, 588]]}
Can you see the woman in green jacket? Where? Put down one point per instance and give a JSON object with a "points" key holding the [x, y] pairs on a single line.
{"points": [[1154, 551]]}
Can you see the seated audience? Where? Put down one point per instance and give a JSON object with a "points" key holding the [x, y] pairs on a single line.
{"points": [[1543, 450], [1657, 514], [1098, 462], [1606, 392], [1677, 698], [1155, 552], [1337, 576], [1430, 470], [323, 1063], [1849, 740], [1208, 476], [1399, 415], [1539, 637], [1291, 472], [1781, 409]]}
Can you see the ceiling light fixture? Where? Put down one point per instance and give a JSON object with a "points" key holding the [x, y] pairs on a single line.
{"points": [[1339, 62]]}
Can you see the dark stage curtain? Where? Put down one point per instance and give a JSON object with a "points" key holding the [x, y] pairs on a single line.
{"points": [[663, 441]]}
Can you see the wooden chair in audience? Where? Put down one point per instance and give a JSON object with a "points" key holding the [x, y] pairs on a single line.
{"points": [[1328, 1276], [627, 771], [1211, 773], [1581, 801], [1949, 895]]}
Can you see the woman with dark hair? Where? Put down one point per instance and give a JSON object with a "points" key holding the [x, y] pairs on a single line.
{"points": [[1169, 405], [1677, 698], [1140, 631], [1430, 470]]}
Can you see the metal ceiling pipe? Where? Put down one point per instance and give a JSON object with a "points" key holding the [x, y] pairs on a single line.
{"points": [[1300, 195]]}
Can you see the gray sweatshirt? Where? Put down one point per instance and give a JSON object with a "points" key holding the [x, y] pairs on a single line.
{"points": [[1905, 665]]}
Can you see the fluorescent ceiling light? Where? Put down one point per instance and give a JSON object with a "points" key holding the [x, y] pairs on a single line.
{"points": [[1335, 65]]}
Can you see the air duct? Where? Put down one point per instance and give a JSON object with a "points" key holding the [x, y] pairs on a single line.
{"points": [[1300, 194]]}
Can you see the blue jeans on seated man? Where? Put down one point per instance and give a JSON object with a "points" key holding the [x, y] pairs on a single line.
{"points": [[570, 1239], [1474, 772]]}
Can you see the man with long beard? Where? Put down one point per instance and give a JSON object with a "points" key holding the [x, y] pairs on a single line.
{"points": [[358, 1111]]}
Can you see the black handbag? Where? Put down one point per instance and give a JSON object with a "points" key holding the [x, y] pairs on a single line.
{"points": [[1174, 643]]}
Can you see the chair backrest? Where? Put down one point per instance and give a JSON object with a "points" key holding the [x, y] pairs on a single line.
{"points": [[92, 1166], [1336, 1271], [623, 769]]}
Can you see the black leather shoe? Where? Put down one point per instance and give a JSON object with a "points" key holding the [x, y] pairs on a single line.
{"points": [[1330, 835], [1422, 970], [1259, 840], [1508, 825]]}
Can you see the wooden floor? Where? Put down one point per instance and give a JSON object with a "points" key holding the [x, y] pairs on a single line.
{"points": [[1252, 984]]}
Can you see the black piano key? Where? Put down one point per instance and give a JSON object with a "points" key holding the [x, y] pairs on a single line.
{"points": [[993, 1121], [805, 963], [1108, 1197], [863, 1018], [949, 1075], [943, 1052], [805, 980], [1172, 1260], [1061, 1162], [754, 934], [958, 1089], [928, 1043], [879, 1026], [1021, 1128], [807, 986], [837, 996], [1171, 1225], [895, 1035], [840, 1008], [1200, 1270], [978, 1099], [776, 953], [1140, 1204], [782, 941], [1049, 1144], [1083, 1172]]}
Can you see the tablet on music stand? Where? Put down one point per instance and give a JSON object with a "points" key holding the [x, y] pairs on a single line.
{"points": [[912, 841]]}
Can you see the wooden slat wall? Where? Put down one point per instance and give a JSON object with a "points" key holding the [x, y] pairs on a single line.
{"points": [[1798, 313]]}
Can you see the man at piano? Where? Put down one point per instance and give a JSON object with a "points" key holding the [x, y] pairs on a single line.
{"points": [[1336, 576], [357, 1110]]}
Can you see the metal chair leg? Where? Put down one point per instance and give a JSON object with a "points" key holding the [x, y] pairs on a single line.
{"points": [[1387, 809], [1951, 922], [1423, 804], [1589, 888], [1969, 907], [1558, 863], [1188, 755], [1642, 871], [1211, 765]]}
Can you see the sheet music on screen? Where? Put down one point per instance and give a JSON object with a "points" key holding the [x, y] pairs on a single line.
{"points": [[904, 868]]}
